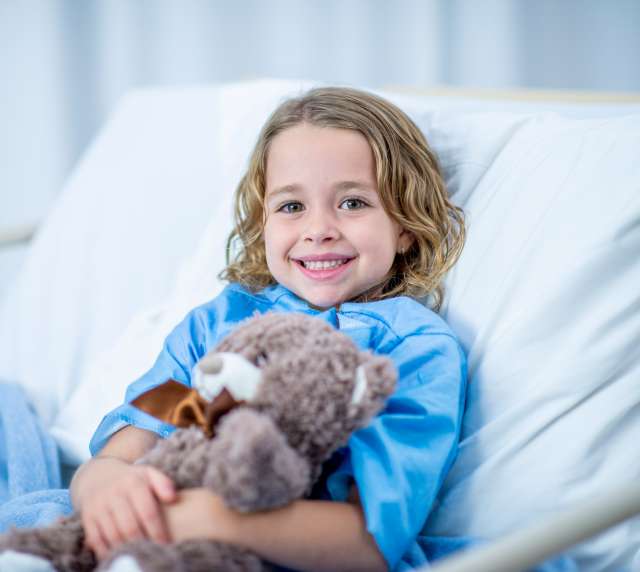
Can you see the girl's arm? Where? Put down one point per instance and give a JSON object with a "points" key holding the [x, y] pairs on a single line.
{"points": [[305, 535]]}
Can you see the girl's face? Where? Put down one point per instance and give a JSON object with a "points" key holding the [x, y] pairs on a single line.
{"points": [[327, 236]]}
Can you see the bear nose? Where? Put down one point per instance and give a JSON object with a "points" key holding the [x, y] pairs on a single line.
{"points": [[211, 364]]}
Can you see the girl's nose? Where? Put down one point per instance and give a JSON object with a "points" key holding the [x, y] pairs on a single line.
{"points": [[321, 229]]}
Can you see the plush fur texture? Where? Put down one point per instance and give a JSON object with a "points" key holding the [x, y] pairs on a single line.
{"points": [[265, 453]]}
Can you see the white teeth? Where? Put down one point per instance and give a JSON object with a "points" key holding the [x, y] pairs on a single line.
{"points": [[323, 264]]}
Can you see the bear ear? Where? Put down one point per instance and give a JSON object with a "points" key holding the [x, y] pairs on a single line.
{"points": [[375, 381]]}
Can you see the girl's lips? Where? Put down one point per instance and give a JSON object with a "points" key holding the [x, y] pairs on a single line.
{"points": [[324, 274]]}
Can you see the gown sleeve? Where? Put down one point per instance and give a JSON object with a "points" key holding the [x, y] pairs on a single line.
{"points": [[181, 350], [399, 461]]}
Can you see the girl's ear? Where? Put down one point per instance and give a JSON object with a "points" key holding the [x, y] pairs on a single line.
{"points": [[405, 240]]}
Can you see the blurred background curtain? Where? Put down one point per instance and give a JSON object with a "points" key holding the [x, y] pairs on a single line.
{"points": [[65, 63]]}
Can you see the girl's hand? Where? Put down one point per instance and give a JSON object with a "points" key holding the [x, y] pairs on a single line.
{"points": [[199, 513], [128, 508]]}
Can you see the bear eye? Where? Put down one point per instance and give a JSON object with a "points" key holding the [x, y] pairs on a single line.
{"points": [[261, 359]]}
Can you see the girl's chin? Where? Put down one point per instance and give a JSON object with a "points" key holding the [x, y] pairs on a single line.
{"points": [[319, 300], [323, 303]]}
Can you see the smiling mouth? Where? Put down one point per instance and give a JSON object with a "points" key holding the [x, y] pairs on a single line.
{"points": [[323, 264]]}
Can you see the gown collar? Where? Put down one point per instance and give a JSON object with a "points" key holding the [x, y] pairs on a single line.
{"points": [[290, 301]]}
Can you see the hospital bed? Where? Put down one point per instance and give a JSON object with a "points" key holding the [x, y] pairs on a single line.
{"points": [[545, 298]]}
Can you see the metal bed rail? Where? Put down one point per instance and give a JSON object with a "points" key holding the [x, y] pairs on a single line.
{"points": [[551, 536], [16, 235]]}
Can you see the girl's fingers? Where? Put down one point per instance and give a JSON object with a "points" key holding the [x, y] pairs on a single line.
{"points": [[94, 539], [107, 536], [130, 511], [125, 520], [150, 515], [161, 485]]}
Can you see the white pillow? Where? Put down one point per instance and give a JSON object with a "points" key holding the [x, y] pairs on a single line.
{"points": [[546, 299], [107, 375], [97, 258]]}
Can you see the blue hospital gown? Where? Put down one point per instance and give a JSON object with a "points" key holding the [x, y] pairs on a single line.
{"points": [[399, 461]]}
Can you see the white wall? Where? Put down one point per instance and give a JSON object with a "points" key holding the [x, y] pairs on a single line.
{"points": [[65, 63]]}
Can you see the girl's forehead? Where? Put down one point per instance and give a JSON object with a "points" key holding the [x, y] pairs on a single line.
{"points": [[305, 153]]}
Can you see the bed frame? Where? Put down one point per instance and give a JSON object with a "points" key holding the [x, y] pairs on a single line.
{"points": [[13, 236], [525, 95], [523, 549]]}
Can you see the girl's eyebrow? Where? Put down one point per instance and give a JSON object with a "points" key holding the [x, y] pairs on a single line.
{"points": [[284, 189], [354, 185]]}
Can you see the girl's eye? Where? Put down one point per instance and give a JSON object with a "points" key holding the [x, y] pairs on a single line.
{"points": [[352, 204], [291, 208]]}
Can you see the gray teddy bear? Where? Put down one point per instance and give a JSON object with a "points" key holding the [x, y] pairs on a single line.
{"points": [[269, 405]]}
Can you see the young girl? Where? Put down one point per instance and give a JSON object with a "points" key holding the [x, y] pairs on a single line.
{"points": [[342, 214]]}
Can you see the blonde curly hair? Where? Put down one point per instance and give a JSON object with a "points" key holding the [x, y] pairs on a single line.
{"points": [[410, 186]]}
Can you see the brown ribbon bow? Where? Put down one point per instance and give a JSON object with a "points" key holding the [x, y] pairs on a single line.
{"points": [[181, 406]]}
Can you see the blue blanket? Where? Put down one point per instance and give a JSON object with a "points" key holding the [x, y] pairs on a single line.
{"points": [[30, 478]]}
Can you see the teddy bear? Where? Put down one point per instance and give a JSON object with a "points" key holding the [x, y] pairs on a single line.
{"points": [[268, 406]]}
